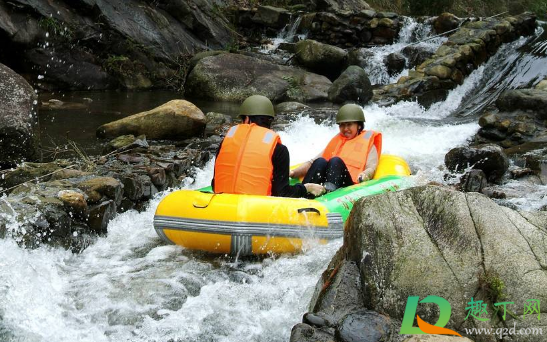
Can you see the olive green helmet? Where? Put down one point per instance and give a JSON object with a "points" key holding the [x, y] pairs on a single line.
{"points": [[350, 113], [257, 105]]}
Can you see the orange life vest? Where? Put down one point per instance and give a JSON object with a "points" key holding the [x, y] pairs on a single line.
{"points": [[244, 162], [354, 152]]}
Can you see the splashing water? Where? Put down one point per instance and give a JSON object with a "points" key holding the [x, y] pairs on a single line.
{"points": [[411, 32]]}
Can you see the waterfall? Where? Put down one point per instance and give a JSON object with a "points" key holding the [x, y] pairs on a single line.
{"points": [[411, 32], [286, 35]]}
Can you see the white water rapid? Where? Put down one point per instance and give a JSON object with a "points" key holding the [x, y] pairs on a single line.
{"points": [[129, 286]]}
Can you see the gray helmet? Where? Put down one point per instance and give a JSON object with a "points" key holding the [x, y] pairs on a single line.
{"points": [[257, 105], [350, 113]]}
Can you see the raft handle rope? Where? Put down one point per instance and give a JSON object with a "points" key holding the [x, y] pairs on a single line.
{"points": [[311, 210], [198, 206]]}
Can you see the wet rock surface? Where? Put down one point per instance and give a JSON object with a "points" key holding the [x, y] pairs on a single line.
{"points": [[424, 241], [18, 118], [489, 158], [129, 44], [517, 127], [69, 203]]}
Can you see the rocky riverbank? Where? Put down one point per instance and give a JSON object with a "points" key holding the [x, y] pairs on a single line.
{"points": [[412, 243]]}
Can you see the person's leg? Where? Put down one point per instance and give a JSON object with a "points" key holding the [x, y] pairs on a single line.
{"points": [[337, 173], [316, 173]]}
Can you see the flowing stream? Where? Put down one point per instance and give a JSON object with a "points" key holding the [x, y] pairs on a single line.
{"points": [[129, 286]]}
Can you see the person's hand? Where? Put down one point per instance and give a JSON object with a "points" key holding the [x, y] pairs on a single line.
{"points": [[363, 177], [315, 189]]}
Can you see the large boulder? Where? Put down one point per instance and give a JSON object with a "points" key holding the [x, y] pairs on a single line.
{"points": [[352, 85], [524, 99], [321, 58], [176, 120], [234, 77], [434, 241], [18, 120]]}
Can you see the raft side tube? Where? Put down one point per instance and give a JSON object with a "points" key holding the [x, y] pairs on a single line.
{"points": [[243, 224]]}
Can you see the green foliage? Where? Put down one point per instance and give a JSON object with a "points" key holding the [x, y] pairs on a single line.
{"points": [[232, 46], [461, 7], [539, 7], [428, 7], [117, 65], [294, 91], [56, 27], [492, 286]]}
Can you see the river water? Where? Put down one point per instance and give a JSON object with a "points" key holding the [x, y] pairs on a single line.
{"points": [[128, 286]]}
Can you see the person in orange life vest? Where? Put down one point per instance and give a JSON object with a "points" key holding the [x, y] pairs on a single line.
{"points": [[252, 160], [350, 157]]}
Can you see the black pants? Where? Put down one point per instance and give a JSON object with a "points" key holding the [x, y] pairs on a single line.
{"points": [[333, 171]]}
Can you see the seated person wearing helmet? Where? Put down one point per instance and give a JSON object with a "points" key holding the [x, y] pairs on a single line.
{"points": [[350, 157], [252, 160]]}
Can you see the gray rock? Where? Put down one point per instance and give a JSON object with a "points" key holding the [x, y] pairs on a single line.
{"points": [[233, 77], [395, 63], [360, 57], [199, 56], [290, 107], [217, 123], [125, 142], [489, 158], [352, 85], [524, 99], [340, 294], [100, 215], [365, 326], [272, 16], [321, 58], [473, 181], [353, 6], [18, 120], [488, 120], [435, 241], [446, 22], [305, 333]]}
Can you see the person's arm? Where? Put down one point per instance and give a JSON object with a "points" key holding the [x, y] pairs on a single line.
{"points": [[280, 181], [370, 166], [304, 167]]}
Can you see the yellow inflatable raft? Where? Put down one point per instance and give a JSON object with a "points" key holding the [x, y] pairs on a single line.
{"points": [[249, 224]]}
